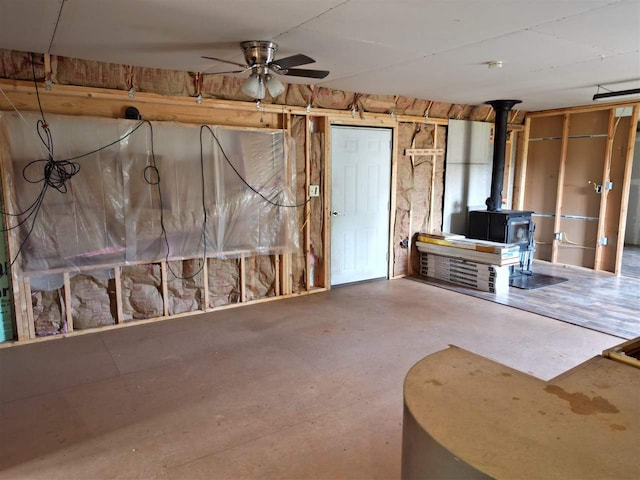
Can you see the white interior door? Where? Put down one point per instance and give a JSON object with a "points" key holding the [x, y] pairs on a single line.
{"points": [[360, 192]]}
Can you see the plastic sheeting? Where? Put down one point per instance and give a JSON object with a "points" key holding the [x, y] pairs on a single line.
{"points": [[111, 214]]}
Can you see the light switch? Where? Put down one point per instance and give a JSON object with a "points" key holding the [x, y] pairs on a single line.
{"points": [[314, 190]]}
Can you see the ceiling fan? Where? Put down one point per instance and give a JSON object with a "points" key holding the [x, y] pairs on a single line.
{"points": [[259, 57]]}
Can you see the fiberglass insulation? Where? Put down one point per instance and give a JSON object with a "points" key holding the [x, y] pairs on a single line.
{"points": [[413, 189], [48, 312], [91, 304]]}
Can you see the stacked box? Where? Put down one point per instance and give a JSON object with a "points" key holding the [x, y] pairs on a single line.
{"points": [[481, 276], [473, 250]]}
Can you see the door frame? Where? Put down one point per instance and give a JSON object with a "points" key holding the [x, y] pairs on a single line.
{"points": [[339, 122]]}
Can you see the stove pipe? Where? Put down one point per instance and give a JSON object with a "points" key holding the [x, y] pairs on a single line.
{"points": [[502, 109]]}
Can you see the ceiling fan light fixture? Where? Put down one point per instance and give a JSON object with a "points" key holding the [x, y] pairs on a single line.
{"points": [[274, 86], [253, 87]]}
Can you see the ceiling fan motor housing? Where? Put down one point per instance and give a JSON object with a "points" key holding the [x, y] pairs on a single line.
{"points": [[259, 52]]}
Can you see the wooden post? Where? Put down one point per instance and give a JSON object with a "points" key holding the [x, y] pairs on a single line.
{"points": [[521, 165], [410, 213], [276, 264], [165, 288], [508, 167], [287, 286], [19, 308], [117, 271], [307, 205], [29, 327], [205, 284], [392, 200], [20, 303], [243, 281], [626, 187], [47, 67], [325, 273], [606, 174], [560, 187], [432, 193], [67, 301]]}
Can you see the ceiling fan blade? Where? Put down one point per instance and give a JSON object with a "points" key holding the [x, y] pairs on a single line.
{"points": [[303, 72], [292, 61], [226, 73], [226, 61]]}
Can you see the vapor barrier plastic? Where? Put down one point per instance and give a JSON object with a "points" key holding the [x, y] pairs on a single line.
{"points": [[113, 210]]}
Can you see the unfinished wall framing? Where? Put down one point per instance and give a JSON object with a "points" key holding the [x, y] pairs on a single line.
{"points": [[119, 295], [573, 170], [80, 87], [113, 295]]}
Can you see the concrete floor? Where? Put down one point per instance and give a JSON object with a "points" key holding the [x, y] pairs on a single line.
{"points": [[302, 388]]}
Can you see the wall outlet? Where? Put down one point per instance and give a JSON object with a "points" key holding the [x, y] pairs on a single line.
{"points": [[314, 190]]}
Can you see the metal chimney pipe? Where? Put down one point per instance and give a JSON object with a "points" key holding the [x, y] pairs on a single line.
{"points": [[502, 109]]}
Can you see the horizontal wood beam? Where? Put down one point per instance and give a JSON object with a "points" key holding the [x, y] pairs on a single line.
{"points": [[80, 94], [581, 109]]}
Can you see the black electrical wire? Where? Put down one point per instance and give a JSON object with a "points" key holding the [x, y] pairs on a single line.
{"points": [[55, 173], [256, 191], [152, 177]]}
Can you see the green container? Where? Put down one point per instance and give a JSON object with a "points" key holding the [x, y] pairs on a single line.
{"points": [[6, 316]]}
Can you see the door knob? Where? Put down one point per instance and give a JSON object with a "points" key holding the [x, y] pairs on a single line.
{"points": [[335, 214]]}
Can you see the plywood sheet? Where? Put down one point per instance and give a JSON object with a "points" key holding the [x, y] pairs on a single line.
{"points": [[542, 176], [589, 123], [577, 256], [546, 127], [584, 164], [544, 237], [579, 241]]}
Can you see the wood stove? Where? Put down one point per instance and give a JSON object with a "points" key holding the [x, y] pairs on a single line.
{"points": [[505, 226], [495, 224]]}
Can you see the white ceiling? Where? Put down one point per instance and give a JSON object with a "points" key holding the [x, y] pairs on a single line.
{"points": [[555, 52]]}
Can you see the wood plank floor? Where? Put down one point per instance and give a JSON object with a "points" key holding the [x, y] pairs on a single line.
{"points": [[596, 300], [631, 261]]}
